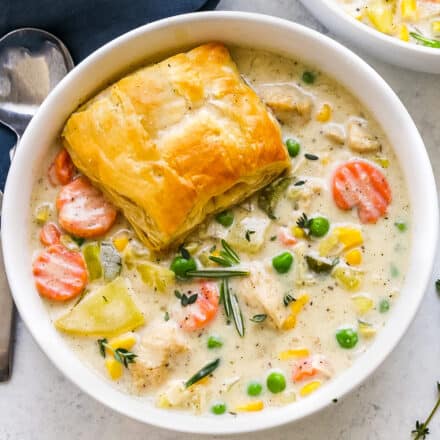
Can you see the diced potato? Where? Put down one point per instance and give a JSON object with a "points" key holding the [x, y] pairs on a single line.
{"points": [[248, 234], [328, 245], [350, 279], [362, 303], [381, 15], [334, 132], [309, 388], [408, 10], [255, 405], [114, 368], [359, 139], [353, 257], [107, 311], [156, 276], [349, 236], [176, 395]]}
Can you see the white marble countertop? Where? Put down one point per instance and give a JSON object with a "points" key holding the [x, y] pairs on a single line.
{"points": [[39, 403]]}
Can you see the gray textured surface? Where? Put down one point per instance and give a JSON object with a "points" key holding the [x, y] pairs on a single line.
{"points": [[39, 403]]}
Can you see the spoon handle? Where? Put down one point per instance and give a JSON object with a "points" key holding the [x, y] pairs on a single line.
{"points": [[6, 325]]}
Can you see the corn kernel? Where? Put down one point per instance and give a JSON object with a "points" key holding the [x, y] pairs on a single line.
{"points": [[124, 341], [298, 305], [404, 36], [309, 388], [114, 368], [289, 323], [380, 14], [325, 113], [256, 405], [366, 330], [293, 354], [120, 241], [435, 27], [408, 10], [353, 257], [362, 303], [349, 237], [298, 232]]}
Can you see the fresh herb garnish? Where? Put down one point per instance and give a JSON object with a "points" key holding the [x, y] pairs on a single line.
{"points": [[248, 234], [78, 240], [303, 222], [122, 355], [259, 318], [214, 342], [185, 300], [320, 265], [203, 372], [232, 307], [217, 273], [288, 298], [273, 238], [437, 286], [105, 298], [428, 42], [227, 258], [310, 156], [184, 252], [270, 195], [421, 430], [166, 316], [300, 183]]}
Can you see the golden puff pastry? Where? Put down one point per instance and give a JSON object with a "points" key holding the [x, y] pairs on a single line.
{"points": [[176, 141]]}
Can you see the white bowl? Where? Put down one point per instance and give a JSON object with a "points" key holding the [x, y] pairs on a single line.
{"points": [[168, 36], [387, 48]]}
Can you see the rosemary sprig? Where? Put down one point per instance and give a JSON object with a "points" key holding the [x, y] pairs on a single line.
{"points": [[428, 42], [122, 355], [232, 307], [217, 273], [203, 372], [259, 318], [421, 430], [228, 257]]}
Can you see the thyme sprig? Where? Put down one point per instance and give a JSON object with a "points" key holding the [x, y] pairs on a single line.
{"points": [[304, 222], [185, 300], [122, 355], [421, 429]]}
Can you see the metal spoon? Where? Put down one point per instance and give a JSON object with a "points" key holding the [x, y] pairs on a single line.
{"points": [[32, 62]]}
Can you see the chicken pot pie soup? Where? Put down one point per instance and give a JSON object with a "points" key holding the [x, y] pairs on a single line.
{"points": [[282, 264], [412, 21]]}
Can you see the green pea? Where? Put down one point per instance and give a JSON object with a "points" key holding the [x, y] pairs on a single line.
{"points": [[218, 409], [401, 226], [293, 147], [384, 306], [347, 337], [225, 218], [282, 263], [319, 226], [180, 266], [308, 77], [276, 382], [214, 342], [254, 389]]}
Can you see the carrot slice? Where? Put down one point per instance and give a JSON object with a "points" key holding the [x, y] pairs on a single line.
{"points": [[50, 234], [64, 168], [83, 210], [59, 274], [360, 184], [204, 310], [303, 369]]}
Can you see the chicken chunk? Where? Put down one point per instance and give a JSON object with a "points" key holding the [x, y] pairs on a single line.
{"points": [[160, 343], [287, 101], [264, 293], [177, 395], [359, 138], [334, 132]]}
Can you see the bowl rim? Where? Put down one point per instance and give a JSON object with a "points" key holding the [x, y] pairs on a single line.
{"points": [[360, 27], [191, 423]]}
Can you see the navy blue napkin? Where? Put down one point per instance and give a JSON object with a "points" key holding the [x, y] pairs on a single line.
{"points": [[84, 25]]}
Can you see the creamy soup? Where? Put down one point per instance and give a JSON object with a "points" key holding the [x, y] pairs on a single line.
{"points": [[414, 21], [323, 251]]}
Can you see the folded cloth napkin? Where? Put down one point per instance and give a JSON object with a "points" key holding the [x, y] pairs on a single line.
{"points": [[84, 25]]}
